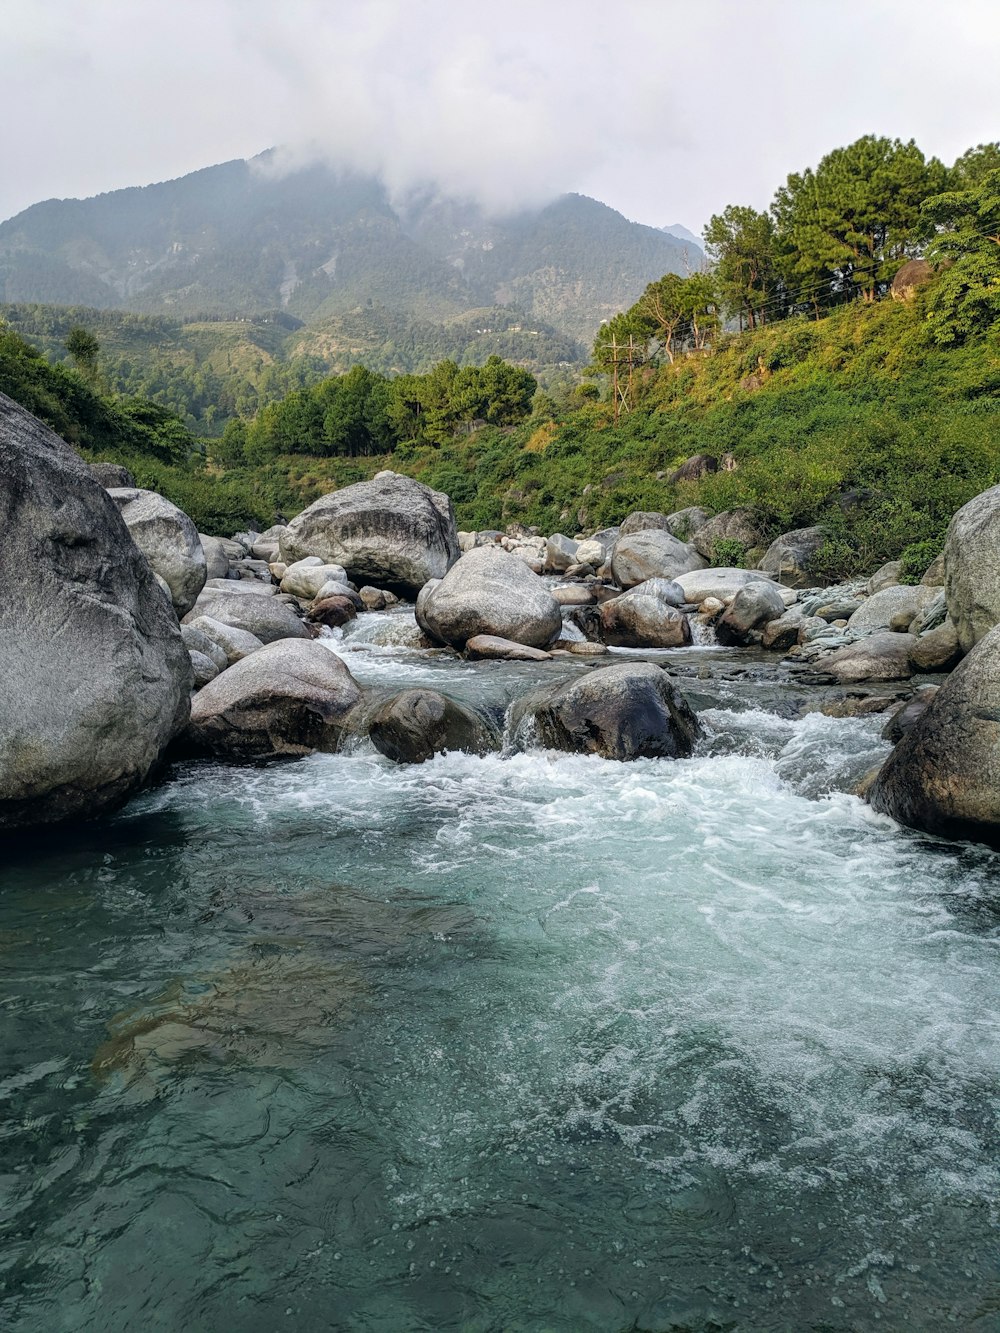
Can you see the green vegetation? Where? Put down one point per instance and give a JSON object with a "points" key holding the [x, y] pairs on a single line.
{"points": [[875, 418]]}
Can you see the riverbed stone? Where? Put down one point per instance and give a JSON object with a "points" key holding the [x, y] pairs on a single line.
{"points": [[234, 642], [906, 715], [880, 656], [391, 531], [268, 618], [560, 553], [790, 558], [199, 642], [646, 617], [651, 553], [750, 610], [492, 647], [900, 604], [203, 667], [886, 576], [332, 611], [644, 521], [415, 725], [305, 578], [627, 711], [944, 774], [937, 649], [723, 582], [216, 558], [289, 698], [95, 676], [782, 633], [169, 541], [489, 591]]}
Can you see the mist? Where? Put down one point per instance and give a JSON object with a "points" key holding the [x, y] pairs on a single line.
{"points": [[665, 111]]}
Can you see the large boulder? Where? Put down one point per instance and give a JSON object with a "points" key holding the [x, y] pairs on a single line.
{"points": [[96, 677], [268, 618], [733, 525], [489, 591], [790, 558], [972, 567], [892, 605], [216, 556], [560, 553], [753, 607], [645, 521], [288, 698], [391, 531], [415, 725], [306, 577], [723, 583], [169, 541], [944, 775], [881, 656], [646, 617], [629, 711], [651, 553]]}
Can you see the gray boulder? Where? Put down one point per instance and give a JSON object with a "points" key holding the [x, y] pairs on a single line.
{"points": [[684, 523], [782, 633], [415, 725], [734, 525], [895, 603], [972, 567], [886, 576], [944, 774], [938, 649], [489, 591], [169, 541], [645, 522], [652, 553], [646, 617], [96, 677], [490, 647], [790, 557], [111, 474], [233, 643], [750, 610], [268, 618], [628, 711], [198, 641], [216, 556], [288, 698], [880, 656], [560, 553], [908, 714], [391, 531], [723, 582], [306, 577], [203, 667]]}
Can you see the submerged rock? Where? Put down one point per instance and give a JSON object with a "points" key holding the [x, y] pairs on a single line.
{"points": [[96, 677], [628, 711], [391, 531], [415, 725], [489, 591], [288, 698]]}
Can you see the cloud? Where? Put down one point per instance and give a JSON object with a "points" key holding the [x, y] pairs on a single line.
{"points": [[664, 109]]}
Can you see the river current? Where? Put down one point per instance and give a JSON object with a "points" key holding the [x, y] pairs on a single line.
{"points": [[523, 1042]]}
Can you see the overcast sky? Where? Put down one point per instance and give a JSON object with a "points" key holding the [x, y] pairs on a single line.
{"points": [[666, 110]]}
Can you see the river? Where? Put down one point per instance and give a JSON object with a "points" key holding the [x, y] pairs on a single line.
{"points": [[523, 1042]]}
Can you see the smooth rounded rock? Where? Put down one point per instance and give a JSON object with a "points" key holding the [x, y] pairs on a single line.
{"points": [[750, 610], [489, 591], [265, 617], [169, 541], [415, 725], [290, 698], [723, 582], [645, 618], [651, 553], [391, 531]]}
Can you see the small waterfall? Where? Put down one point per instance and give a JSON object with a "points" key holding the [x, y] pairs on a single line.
{"points": [[702, 633]]}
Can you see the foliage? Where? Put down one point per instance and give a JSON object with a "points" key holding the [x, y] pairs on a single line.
{"points": [[917, 559], [966, 298], [729, 552], [743, 247]]}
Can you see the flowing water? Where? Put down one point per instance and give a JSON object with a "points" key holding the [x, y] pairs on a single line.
{"points": [[530, 1041]]}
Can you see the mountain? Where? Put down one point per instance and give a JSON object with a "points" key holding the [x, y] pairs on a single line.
{"points": [[681, 233], [239, 240]]}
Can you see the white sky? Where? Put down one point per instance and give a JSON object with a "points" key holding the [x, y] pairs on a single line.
{"points": [[668, 111]]}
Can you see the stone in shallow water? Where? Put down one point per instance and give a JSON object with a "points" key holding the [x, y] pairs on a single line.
{"points": [[506, 650], [415, 725]]}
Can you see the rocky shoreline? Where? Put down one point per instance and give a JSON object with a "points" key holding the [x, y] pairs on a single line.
{"points": [[135, 639]]}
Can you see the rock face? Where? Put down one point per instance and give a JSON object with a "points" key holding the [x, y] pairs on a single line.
{"points": [[287, 698], [96, 677], [169, 541], [972, 567], [391, 531], [630, 711], [790, 557], [646, 617], [944, 775], [489, 591], [651, 553], [415, 725]]}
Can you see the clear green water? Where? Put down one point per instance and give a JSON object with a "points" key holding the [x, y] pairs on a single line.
{"points": [[532, 1042]]}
